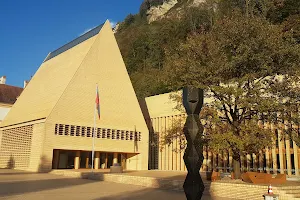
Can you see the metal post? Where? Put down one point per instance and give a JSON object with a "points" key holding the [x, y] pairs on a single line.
{"points": [[94, 133]]}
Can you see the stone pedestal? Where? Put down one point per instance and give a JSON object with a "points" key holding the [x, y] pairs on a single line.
{"points": [[115, 160], [116, 169]]}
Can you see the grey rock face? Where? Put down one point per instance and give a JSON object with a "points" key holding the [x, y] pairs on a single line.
{"points": [[147, 4]]}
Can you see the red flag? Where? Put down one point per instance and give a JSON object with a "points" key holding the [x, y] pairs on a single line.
{"points": [[97, 102]]}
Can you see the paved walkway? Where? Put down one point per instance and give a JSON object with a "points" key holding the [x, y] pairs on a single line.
{"points": [[19, 185]]}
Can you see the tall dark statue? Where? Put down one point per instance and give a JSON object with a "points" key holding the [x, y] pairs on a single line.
{"points": [[193, 129]]}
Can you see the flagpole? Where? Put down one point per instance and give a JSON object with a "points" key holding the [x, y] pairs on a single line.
{"points": [[94, 133]]}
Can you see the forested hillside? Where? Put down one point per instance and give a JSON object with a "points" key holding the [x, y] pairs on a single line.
{"points": [[146, 48]]}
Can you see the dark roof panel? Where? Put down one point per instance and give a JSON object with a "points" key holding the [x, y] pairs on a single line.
{"points": [[75, 42], [9, 94]]}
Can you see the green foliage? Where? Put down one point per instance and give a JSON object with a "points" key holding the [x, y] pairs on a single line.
{"points": [[148, 81], [248, 8], [236, 49], [129, 20], [292, 26], [283, 9], [143, 45], [287, 92]]}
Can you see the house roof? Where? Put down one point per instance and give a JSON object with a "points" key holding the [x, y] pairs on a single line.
{"points": [[9, 94]]}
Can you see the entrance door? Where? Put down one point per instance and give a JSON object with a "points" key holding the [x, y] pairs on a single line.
{"points": [[71, 158], [63, 161], [110, 157]]}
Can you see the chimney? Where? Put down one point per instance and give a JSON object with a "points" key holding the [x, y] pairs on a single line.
{"points": [[2, 79], [25, 83]]}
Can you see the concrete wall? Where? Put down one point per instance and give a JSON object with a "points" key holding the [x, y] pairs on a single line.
{"points": [[37, 144]]}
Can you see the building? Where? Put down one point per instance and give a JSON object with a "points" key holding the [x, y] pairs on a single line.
{"points": [[160, 115], [51, 124], [8, 96]]}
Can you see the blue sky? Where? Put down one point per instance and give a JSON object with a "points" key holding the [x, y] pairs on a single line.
{"points": [[30, 29]]}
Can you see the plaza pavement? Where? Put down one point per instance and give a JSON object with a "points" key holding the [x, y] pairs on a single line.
{"points": [[19, 185]]}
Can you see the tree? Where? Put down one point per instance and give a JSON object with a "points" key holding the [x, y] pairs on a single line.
{"points": [[143, 45], [249, 8], [287, 91], [238, 63], [148, 82], [292, 25], [282, 9]]}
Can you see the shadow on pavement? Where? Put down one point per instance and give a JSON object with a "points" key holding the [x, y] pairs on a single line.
{"points": [[152, 194], [21, 187], [164, 192]]}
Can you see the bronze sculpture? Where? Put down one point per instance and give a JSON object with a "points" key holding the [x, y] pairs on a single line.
{"points": [[193, 129]]}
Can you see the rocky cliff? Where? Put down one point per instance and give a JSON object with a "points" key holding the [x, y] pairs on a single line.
{"points": [[156, 12], [157, 9]]}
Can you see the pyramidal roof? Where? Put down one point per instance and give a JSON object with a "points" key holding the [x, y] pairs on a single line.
{"points": [[63, 89]]}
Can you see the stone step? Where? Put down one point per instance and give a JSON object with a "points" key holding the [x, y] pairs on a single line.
{"points": [[292, 191], [289, 187], [297, 196]]}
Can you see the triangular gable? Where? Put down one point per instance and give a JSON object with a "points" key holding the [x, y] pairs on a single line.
{"points": [[119, 106]]}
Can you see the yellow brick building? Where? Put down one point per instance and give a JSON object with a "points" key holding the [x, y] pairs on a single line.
{"points": [[51, 124], [160, 114]]}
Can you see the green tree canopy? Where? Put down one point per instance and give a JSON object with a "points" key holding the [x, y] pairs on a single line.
{"points": [[238, 63]]}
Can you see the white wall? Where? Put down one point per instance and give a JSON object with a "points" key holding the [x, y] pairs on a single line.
{"points": [[3, 112]]}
